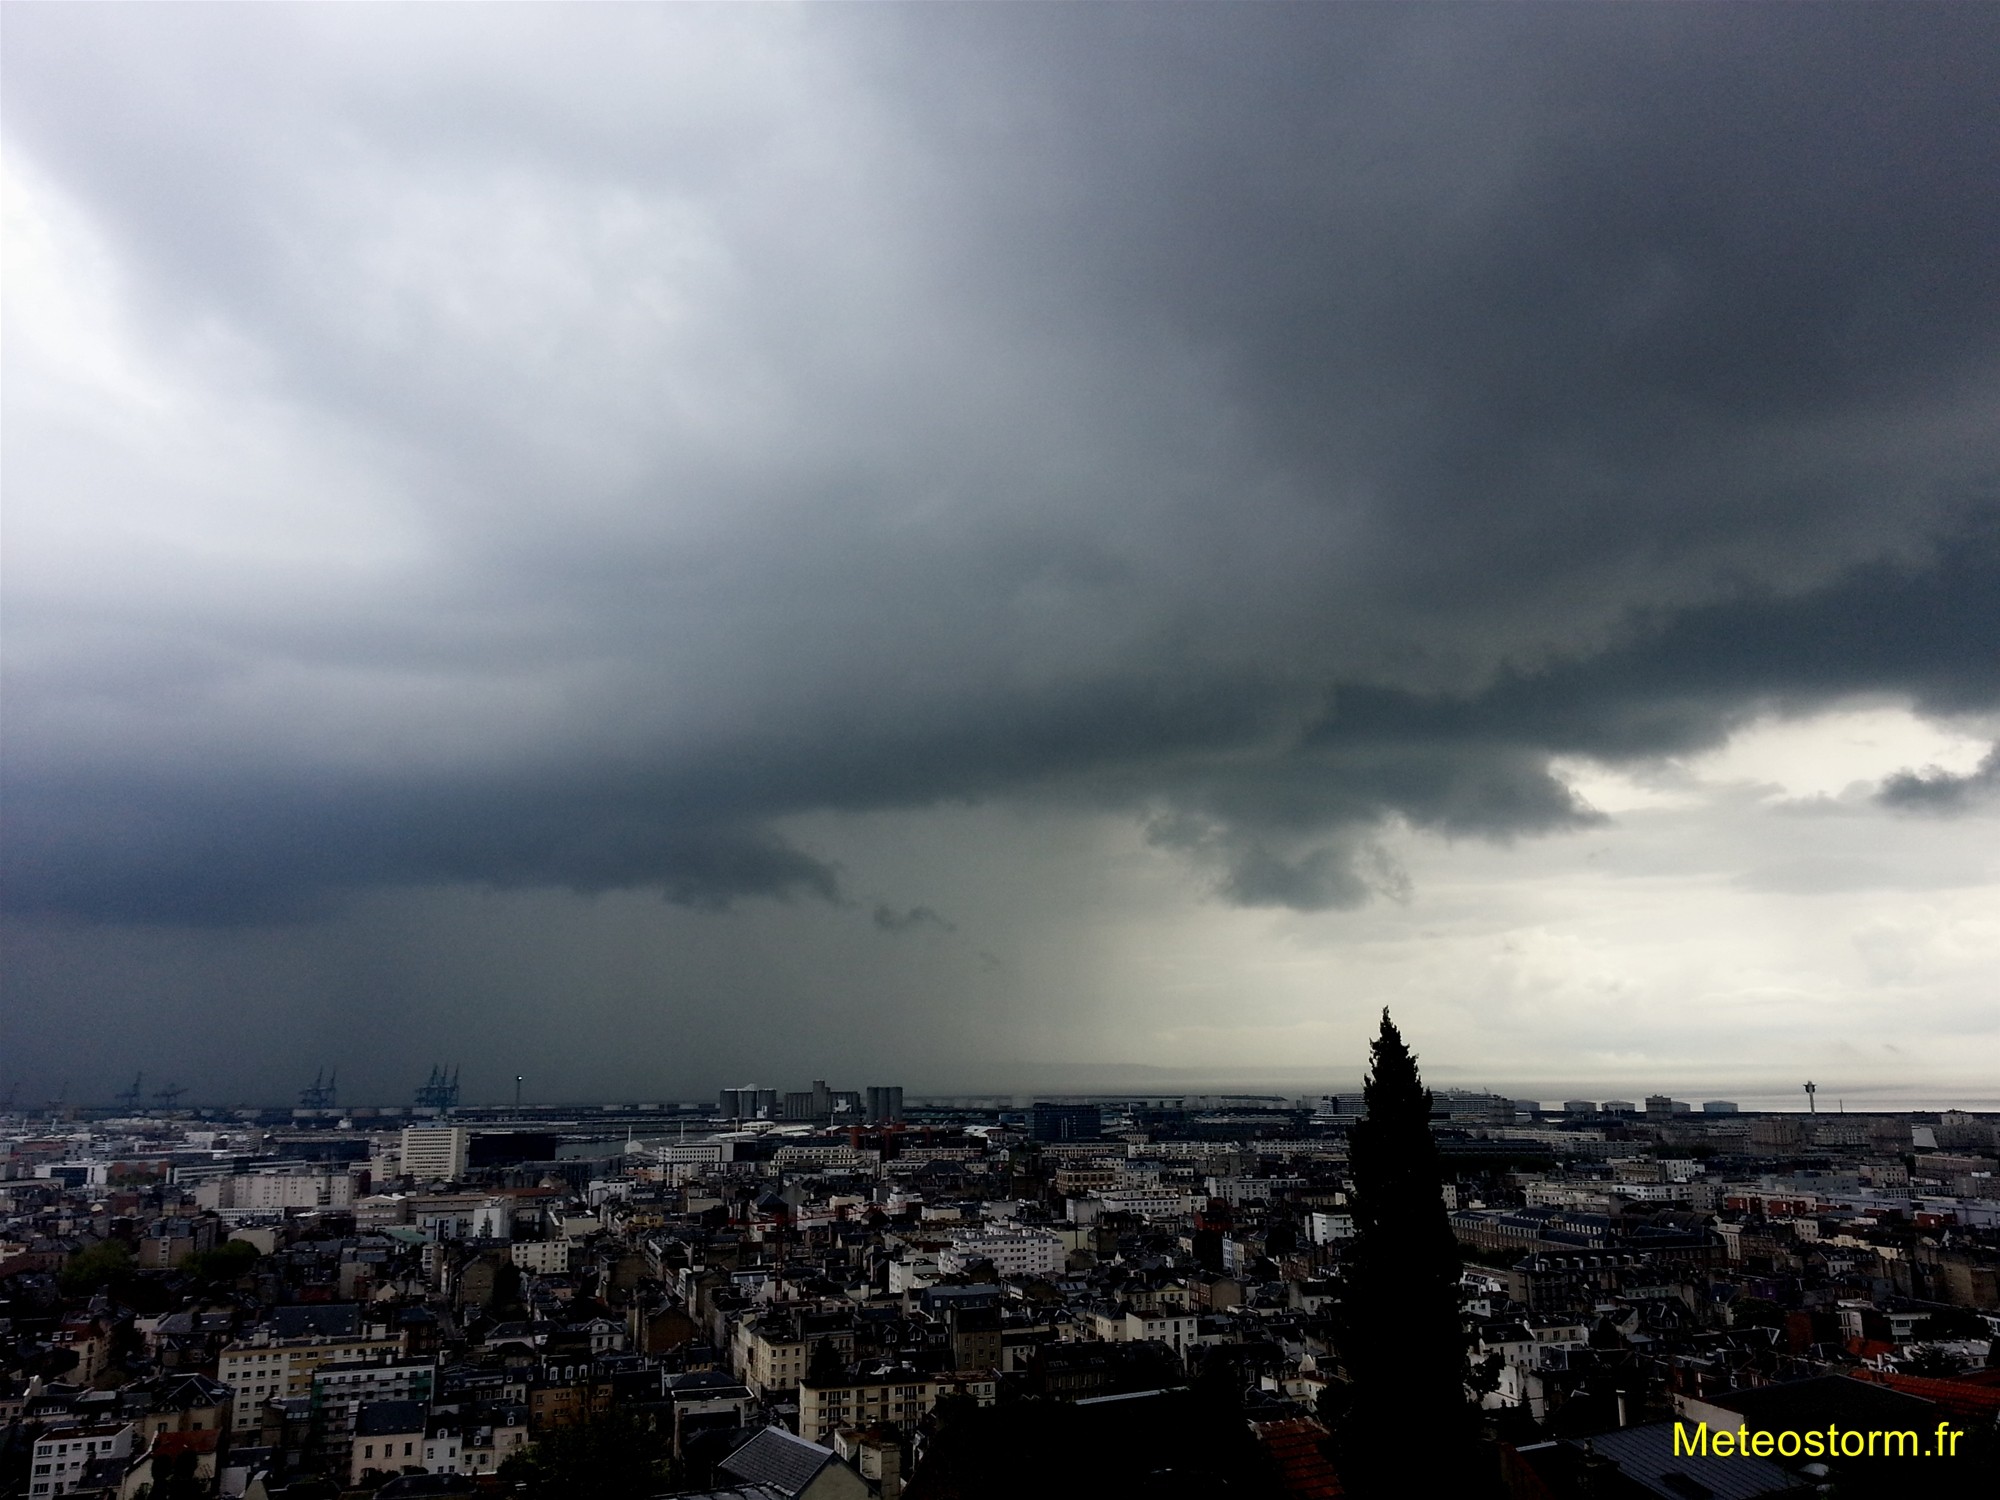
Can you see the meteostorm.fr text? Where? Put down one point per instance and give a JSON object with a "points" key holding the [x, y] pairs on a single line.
{"points": [[1832, 1441]]}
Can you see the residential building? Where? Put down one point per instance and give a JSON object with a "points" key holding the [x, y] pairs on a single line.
{"points": [[276, 1192], [884, 1394], [388, 1438], [541, 1257], [436, 1153], [1012, 1252], [340, 1390], [257, 1372], [64, 1453]]}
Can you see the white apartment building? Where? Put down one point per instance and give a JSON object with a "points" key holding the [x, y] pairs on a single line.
{"points": [[256, 1372], [64, 1452], [764, 1360], [1329, 1229], [693, 1153], [462, 1216], [1013, 1252], [1177, 1329], [1159, 1204], [436, 1152], [274, 1192], [441, 1449], [912, 1272], [1649, 1192], [1237, 1191], [541, 1257]]}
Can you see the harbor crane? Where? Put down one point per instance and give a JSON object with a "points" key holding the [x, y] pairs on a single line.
{"points": [[319, 1094]]}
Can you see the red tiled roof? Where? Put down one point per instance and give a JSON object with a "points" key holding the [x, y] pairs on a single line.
{"points": [[1294, 1446], [1970, 1395]]}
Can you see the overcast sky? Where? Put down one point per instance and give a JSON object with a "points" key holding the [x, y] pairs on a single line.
{"points": [[655, 547]]}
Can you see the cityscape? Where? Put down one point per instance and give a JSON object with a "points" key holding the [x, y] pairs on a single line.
{"points": [[830, 1291], [1144, 751]]}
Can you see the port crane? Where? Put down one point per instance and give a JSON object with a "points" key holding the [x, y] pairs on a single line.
{"points": [[319, 1094]]}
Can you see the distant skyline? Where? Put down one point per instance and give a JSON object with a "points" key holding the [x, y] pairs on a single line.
{"points": [[649, 545], [1976, 1097]]}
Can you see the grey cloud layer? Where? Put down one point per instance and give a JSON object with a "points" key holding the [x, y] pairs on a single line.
{"points": [[1937, 791], [1269, 422]]}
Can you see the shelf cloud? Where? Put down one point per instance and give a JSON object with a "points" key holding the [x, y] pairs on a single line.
{"points": [[572, 451]]}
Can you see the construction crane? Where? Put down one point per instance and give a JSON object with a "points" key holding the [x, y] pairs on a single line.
{"points": [[130, 1097], [441, 1091], [320, 1092], [165, 1097]]}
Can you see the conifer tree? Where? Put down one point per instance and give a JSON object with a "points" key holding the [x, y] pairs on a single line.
{"points": [[1410, 1428], [826, 1367]]}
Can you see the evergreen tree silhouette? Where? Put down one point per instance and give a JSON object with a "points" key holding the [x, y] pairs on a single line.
{"points": [[826, 1367], [1410, 1428]]}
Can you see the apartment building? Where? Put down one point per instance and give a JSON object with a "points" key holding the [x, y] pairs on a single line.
{"points": [[771, 1353], [1178, 1330], [274, 1192], [256, 1372], [436, 1153], [898, 1395], [1012, 1252], [541, 1257], [64, 1455], [340, 1390]]}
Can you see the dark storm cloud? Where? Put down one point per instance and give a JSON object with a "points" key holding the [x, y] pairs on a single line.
{"points": [[1269, 422], [891, 920], [1935, 791], [1679, 681], [1478, 764]]}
